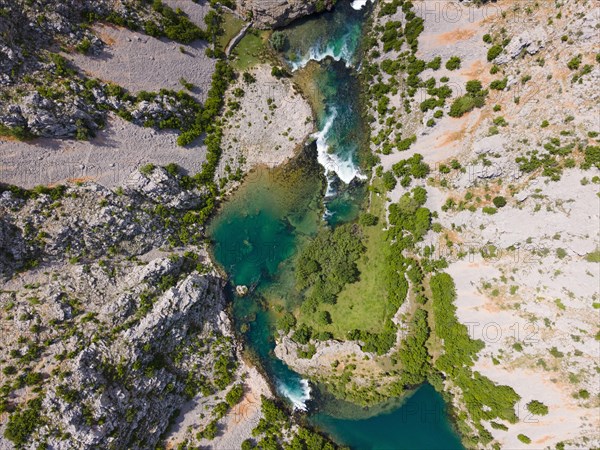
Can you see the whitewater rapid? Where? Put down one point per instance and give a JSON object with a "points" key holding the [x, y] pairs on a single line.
{"points": [[345, 169], [297, 397], [359, 4], [318, 53]]}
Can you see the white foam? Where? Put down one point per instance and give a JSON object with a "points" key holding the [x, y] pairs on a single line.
{"points": [[317, 54], [298, 398], [359, 4], [345, 169]]}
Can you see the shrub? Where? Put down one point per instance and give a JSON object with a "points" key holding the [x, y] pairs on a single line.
{"points": [[499, 202], [474, 98], [574, 63], [368, 219], [286, 322], [499, 85], [234, 395], [453, 63], [186, 84], [537, 408], [147, 169], [523, 439], [494, 52], [591, 157], [435, 63], [487, 38], [279, 72], [248, 78], [489, 210], [389, 180], [22, 423], [84, 46]]}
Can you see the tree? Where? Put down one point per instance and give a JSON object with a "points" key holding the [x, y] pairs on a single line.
{"points": [[278, 40]]}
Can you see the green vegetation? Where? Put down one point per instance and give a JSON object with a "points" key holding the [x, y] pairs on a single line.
{"points": [[175, 25], [275, 424], [235, 394], [278, 40], [499, 201], [459, 353], [499, 85], [84, 46], [23, 422], [251, 50], [537, 408], [593, 256], [494, 52], [413, 356], [453, 63], [524, 439], [591, 157], [327, 264], [204, 120], [474, 98]]}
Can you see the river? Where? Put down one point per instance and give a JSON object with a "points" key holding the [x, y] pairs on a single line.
{"points": [[262, 225]]}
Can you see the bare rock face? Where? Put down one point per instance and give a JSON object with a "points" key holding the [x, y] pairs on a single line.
{"points": [[278, 13]]}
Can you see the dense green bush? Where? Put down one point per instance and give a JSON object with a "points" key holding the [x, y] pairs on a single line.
{"points": [[175, 25], [474, 98], [368, 220], [328, 263], [286, 322], [460, 351], [235, 394], [499, 85], [278, 40], [453, 63], [494, 52], [524, 439], [389, 180], [413, 355], [499, 201], [23, 422], [537, 408], [591, 157], [435, 63]]}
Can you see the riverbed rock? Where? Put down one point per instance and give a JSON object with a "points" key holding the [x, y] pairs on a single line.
{"points": [[241, 290]]}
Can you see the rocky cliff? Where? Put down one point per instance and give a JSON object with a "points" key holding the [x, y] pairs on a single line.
{"points": [[110, 325], [278, 13]]}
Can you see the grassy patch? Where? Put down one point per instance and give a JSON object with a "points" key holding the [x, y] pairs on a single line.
{"points": [[251, 50], [232, 25], [362, 305]]}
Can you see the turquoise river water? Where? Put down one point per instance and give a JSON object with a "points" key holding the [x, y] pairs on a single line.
{"points": [[259, 229]]}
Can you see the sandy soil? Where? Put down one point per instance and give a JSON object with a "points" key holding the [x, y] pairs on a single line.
{"points": [[108, 159]]}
